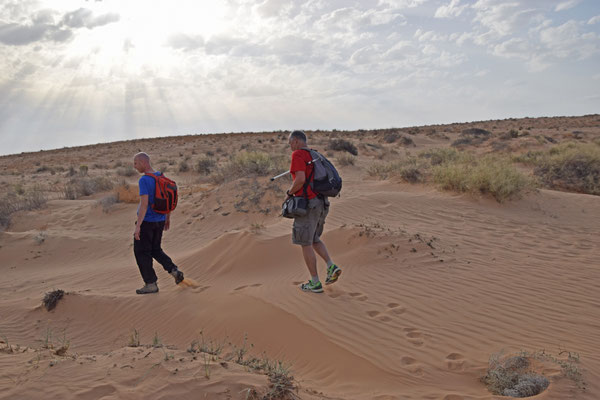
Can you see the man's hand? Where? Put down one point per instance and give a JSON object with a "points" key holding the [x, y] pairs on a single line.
{"points": [[168, 222], [136, 233]]}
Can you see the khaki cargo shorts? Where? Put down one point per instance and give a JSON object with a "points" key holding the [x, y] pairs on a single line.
{"points": [[308, 229]]}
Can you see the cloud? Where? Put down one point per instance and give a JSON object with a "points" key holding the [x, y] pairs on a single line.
{"points": [[565, 5], [18, 35], [594, 20], [503, 19], [185, 42], [451, 10], [566, 41], [42, 27], [84, 17]]}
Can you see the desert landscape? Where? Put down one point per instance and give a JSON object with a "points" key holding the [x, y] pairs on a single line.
{"points": [[463, 247]]}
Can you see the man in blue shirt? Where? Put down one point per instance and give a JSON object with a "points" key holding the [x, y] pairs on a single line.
{"points": [[149, 229]]}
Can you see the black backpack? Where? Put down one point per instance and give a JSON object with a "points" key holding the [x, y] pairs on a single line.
{"points": [[324, 178]]}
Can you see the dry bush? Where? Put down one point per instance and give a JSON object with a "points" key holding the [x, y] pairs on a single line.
{"points": [[107, 202], [343, 145], [20, 199], [572, 166], [252, 163], [205, 165], [51, 299], [472, 136], [408, 169], [346, 159], [184, 166], [85, 186], [513, 377], [126, 171]]}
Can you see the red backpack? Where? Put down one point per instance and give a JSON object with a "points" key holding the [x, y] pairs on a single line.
{"points": [[165, 195]]}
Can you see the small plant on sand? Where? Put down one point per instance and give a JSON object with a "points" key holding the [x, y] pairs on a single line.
{"points": [[256, 227], [205, 165], [51, 299], [513, 377], [107, 202], [134, 338], [20, 199], [40, 237], [63, 345], [156, 342]]}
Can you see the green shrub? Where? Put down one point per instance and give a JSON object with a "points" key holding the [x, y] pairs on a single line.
{"points": [[572, 166], [487, 175], [408, 169], [254, 163]]}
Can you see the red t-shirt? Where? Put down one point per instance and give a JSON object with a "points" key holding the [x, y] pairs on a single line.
{"points": [[300, 159]]}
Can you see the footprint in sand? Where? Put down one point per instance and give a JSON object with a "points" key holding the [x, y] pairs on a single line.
{"points": [[373, 314], [358, 296], [414, 336], [455, 361], [396, 308], [411, 365]]}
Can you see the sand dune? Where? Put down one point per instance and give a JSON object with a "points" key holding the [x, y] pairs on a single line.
{"points": [[433, 284]]}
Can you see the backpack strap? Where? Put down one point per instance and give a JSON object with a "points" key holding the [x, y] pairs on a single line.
{"points": [[309, 179]]}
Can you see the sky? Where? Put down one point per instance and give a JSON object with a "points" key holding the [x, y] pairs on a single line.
{"points": [[76, 72]]}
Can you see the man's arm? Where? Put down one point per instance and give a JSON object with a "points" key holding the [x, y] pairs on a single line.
{"points": [[298, 182], [141, 214], [168, 222]]}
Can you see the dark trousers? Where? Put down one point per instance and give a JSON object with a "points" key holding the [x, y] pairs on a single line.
{"points": [[148, 248]]}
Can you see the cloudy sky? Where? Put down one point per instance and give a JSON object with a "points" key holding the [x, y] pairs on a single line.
{"points": [[78, 72]]}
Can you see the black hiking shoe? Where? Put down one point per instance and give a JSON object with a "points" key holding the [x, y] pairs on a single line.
{"points": [[178, 275]]}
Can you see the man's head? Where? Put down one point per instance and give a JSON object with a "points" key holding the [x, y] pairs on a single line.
{"points": [[141, 162], [297, 140]]}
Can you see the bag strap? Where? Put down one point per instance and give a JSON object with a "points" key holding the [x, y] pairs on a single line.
{"points": [[311, 175]]}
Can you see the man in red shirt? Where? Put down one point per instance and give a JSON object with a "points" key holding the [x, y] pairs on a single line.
{"points": [[307, 230]]}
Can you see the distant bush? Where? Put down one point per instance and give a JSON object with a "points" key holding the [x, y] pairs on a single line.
{"points": [[254, 163], [486, 175], [126, 193], [85, 186], [346, 159], [472, 136], [391, 137], [20, 200], [205, 165], [408, 169], [440, 155], [343, 145], [572, 166], [184, 166], [126, 171]]}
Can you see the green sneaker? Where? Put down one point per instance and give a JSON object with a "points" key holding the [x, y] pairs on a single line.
{"points": [[312, 287], [333, 273]]}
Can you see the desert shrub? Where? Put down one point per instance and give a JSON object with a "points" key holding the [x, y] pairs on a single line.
{"points": [[346, 159], [408, 169], [512, 377], [205, 165], [126, 171], [472, 136], [489, 174], [440, 155], [20, 199], [85, 186], [83, 170], [573, 166], [391, 137], [184, 166], [51, 298], [406, 141], [343, 145], [253, 163]]}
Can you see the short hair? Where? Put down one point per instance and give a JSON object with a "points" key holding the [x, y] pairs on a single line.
{"points": [[299, 135], [143, 156]]}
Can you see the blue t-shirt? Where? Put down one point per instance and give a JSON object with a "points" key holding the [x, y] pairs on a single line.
{"points": [[148, 186]]}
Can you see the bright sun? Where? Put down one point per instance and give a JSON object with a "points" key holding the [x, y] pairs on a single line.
{"points": [[138, 39]]}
